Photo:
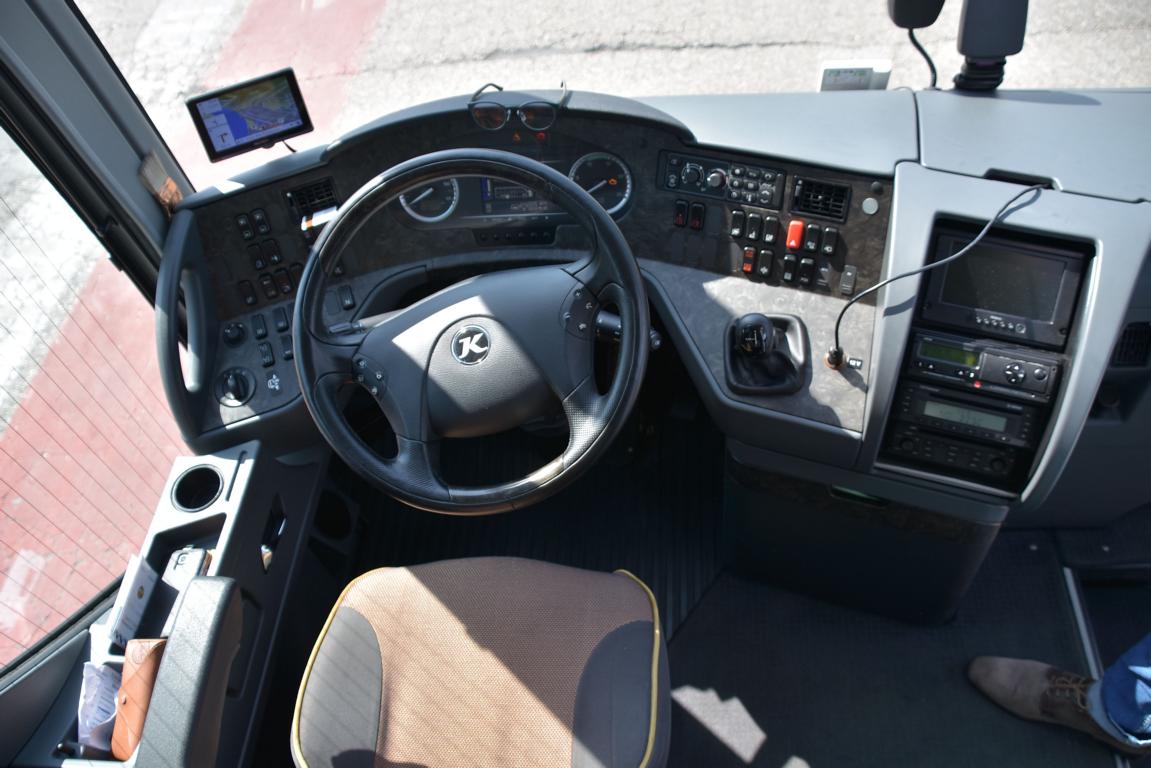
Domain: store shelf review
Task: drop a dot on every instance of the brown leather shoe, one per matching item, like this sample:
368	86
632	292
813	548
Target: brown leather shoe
1037	691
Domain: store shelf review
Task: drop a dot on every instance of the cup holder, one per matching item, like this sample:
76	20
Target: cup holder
197	488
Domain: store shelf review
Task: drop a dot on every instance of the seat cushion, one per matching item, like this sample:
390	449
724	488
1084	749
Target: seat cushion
486	661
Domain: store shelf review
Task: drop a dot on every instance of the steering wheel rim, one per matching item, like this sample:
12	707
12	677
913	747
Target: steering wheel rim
538	322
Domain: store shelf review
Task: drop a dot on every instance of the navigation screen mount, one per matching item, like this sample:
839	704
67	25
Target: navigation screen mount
249	115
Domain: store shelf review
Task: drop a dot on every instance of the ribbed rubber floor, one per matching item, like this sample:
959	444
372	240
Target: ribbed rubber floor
828	686
654	510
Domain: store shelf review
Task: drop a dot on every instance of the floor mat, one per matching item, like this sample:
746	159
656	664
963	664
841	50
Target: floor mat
652	506
787	681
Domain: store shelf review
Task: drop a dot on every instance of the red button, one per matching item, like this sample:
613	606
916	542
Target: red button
794	234
748	260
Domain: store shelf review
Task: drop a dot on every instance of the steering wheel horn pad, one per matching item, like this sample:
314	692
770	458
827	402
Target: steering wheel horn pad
481	356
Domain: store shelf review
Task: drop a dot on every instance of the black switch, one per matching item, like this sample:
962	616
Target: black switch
347	300
770	230
259	327
811	238
283	281
695	217
830	238
271	251
806	270
267	359
339	269
247	293
257	258
737	219
754	226
245	225
789	262
680	213
296	270
847	280
268	286
280	318
765	264
286	347
260	219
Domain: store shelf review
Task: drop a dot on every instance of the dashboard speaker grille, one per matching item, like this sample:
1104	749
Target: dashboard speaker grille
821	198
1134	347
311	198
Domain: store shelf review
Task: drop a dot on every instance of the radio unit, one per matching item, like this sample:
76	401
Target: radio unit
964	434
723	180
984	366
1023	292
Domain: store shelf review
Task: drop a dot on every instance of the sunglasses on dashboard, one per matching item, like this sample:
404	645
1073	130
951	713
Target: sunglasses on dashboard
535	115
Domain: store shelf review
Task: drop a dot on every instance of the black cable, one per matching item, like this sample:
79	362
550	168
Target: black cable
925	55
289	146
835	354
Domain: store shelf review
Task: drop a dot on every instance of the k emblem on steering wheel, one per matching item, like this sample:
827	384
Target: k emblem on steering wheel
470	345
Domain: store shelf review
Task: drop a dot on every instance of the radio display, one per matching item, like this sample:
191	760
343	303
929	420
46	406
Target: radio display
1004	280
949	354
966	416
504	198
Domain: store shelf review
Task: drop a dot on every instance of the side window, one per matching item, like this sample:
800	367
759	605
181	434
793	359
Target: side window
86	438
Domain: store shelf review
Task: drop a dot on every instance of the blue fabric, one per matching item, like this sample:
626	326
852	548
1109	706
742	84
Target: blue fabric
1125	692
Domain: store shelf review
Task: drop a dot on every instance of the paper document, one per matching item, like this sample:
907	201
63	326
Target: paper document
131	600
97	711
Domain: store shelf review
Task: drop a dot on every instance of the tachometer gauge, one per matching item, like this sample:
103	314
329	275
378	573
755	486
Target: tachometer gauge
605	177
432	202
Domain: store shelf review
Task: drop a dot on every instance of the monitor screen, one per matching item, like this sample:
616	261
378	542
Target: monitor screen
252	114
1004	280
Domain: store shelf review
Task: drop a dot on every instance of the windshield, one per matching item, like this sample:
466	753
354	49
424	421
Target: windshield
359	59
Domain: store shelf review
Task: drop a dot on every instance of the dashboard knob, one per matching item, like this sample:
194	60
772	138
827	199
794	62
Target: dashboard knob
235	386
716	179
692	173
233	334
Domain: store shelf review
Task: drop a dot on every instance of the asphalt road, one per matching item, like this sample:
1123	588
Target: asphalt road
358	59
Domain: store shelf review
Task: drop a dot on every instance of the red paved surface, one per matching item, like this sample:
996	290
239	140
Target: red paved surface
82	461
85	456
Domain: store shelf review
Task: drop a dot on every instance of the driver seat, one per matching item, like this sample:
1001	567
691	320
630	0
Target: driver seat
488	661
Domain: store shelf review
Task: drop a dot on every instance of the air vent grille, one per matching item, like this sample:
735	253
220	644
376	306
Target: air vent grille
1134	347
820	198
314	197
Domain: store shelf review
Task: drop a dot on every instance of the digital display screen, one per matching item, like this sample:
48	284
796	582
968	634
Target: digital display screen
966	416
252	114
949	354
505	198
1004	280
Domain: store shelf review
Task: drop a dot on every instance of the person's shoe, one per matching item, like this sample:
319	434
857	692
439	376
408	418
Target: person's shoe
1040	692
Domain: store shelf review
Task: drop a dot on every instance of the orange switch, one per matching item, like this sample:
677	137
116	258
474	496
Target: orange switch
794	234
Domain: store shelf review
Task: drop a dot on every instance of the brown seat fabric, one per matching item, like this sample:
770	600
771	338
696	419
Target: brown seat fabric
486	662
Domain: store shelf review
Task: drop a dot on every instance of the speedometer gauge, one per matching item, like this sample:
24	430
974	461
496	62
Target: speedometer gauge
432	202
605	177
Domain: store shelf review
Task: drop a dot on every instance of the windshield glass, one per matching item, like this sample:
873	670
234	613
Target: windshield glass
359	59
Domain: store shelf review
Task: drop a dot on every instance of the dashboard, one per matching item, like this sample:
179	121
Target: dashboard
963	390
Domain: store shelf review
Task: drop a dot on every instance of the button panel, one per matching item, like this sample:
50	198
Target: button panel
723	180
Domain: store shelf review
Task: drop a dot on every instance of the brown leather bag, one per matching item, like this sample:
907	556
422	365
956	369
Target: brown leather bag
141	663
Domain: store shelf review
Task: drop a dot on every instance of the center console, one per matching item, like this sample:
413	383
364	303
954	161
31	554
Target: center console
985	361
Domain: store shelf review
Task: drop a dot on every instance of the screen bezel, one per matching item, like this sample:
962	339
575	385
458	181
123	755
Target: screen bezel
215	155
1050	333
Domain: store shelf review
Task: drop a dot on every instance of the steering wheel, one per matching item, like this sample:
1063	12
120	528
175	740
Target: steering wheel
481	356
